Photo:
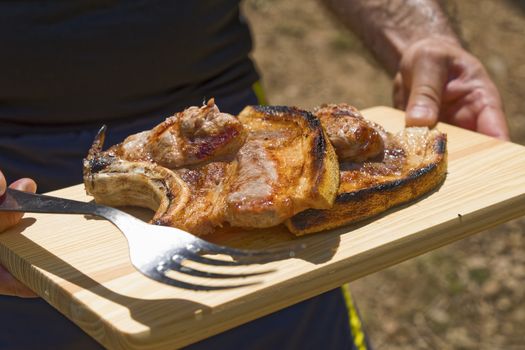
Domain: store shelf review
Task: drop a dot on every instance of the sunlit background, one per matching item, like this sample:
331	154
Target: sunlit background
468	295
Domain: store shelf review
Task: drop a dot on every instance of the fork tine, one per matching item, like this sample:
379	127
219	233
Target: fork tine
159	275
246	256
176	264
190	255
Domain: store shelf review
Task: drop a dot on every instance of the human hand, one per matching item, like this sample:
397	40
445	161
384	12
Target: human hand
8	284
438	80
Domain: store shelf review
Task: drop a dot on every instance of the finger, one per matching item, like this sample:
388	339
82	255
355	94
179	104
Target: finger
428	79
491	119
492	122
9	219
25	184
476	108
11	286
399	95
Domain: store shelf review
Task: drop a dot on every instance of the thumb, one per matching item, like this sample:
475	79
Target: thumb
25	184
429	76
9	219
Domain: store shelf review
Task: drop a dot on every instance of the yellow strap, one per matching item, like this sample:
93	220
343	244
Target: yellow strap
353	318
259	92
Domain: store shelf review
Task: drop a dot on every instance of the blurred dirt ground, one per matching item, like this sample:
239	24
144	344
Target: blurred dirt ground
468	295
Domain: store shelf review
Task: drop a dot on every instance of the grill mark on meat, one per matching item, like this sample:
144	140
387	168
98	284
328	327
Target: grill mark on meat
280	111
206	147
383	187
307	217
441	145
318	155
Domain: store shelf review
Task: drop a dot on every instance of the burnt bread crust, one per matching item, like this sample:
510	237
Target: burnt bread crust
417	165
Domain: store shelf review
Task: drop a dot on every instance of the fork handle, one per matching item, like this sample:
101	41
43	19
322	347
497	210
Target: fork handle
14	200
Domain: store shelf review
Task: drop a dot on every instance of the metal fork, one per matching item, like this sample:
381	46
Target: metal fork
154	250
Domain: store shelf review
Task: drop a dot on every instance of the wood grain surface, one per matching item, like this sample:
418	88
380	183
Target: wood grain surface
80	264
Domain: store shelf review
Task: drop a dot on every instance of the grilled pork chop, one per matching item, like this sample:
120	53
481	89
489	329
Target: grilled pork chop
201	168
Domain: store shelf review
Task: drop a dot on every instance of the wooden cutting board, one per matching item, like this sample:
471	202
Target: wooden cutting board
80	264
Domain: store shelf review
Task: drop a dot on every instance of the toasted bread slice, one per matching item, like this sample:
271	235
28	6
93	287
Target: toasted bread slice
413	163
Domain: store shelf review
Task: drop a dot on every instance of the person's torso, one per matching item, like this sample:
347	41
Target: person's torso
88	60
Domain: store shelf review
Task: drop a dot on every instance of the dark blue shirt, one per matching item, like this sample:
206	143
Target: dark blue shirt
67	67
71	62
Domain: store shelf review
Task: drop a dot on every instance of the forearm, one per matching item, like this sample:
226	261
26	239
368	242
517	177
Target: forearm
388	27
